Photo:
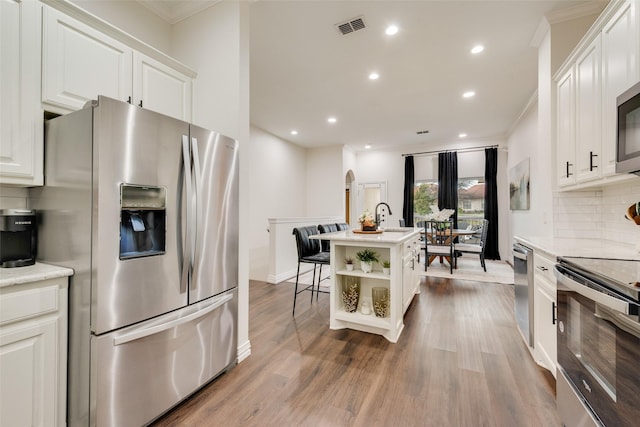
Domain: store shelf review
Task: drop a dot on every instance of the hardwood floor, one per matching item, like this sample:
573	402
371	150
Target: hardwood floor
460	361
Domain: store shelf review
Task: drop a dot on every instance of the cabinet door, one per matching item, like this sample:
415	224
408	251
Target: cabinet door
29	366
620	51
80	63
21	130
566	127
161	88
545	324
588	114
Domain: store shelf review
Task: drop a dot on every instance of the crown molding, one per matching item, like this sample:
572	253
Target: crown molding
174	11
578	11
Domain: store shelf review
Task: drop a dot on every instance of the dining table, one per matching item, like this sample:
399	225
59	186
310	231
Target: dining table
449	234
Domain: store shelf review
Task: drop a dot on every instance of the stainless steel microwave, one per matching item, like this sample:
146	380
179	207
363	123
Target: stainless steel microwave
628	140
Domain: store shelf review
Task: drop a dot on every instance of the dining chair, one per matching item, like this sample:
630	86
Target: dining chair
309	252
476	248
438	240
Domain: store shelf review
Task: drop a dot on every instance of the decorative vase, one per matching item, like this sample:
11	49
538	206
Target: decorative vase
350	294
367	266
368	227
349	267
380	297
386	270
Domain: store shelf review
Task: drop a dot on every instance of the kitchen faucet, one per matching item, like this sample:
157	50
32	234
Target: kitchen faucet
378	215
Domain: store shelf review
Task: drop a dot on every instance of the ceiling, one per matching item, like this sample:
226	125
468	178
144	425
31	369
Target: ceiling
303	70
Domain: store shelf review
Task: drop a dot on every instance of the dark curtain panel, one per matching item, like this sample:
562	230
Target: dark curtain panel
448	183
407	206
491	202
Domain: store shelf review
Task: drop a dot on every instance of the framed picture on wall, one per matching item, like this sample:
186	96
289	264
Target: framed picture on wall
519	186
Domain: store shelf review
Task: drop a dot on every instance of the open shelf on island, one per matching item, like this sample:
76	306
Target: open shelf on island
359	273
364	319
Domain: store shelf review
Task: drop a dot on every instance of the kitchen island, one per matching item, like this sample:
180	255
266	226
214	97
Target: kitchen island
399	246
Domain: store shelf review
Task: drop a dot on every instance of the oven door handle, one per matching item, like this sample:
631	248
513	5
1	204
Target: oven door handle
611	302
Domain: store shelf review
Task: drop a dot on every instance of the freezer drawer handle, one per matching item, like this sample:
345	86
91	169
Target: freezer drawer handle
136	335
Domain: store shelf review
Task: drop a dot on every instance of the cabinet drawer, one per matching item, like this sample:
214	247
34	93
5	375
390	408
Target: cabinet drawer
544	267
22	305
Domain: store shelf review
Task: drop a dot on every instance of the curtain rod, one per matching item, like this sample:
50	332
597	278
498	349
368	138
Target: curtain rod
461	150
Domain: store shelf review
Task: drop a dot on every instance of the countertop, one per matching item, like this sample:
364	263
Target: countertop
388	236
32	273
587	248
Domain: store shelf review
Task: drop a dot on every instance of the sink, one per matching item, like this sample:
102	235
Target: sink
399	229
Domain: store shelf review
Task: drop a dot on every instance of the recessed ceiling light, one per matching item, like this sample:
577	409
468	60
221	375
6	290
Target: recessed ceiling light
367	146
294	132
462	135
391	30
469	94
332	120
374	76
477	49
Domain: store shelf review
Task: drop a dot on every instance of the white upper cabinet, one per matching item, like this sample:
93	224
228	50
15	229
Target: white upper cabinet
588	113
80	63
161	88
86	57
620	52
21	144
603	65
566	143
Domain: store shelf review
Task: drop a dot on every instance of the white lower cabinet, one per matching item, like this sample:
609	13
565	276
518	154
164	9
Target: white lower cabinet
33	350
545	340
21	130
410	273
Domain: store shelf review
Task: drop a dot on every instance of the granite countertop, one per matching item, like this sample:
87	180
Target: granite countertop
32	273
587	248
389	236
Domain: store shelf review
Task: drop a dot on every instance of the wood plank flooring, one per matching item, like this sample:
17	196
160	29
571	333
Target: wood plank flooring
460	361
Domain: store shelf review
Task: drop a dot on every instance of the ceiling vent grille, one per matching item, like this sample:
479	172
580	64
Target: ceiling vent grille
351	25
422	132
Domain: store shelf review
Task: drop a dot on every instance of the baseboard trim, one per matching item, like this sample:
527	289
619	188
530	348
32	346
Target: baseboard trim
244	351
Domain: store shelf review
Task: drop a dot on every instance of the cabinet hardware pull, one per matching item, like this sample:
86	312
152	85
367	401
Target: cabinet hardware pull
540	267
129	100
591	165
553	313
569	174
140	105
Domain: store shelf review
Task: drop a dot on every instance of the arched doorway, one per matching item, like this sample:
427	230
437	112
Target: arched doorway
348	181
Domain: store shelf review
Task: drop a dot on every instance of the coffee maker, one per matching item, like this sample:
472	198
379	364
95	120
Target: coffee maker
18	238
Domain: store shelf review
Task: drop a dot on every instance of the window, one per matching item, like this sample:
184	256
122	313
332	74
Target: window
470	200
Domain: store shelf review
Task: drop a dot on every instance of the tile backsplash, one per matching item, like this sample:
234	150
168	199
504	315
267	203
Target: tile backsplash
597	214
13	197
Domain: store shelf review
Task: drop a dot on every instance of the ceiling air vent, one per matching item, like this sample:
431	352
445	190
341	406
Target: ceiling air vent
421	132
351	25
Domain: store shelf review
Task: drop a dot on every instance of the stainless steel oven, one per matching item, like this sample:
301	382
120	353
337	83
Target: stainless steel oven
598	342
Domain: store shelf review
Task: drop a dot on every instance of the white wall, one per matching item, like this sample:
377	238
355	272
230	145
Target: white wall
277	189
325	181
524	144
209	42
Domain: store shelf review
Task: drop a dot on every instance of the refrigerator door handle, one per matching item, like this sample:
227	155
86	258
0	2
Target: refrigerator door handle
186	260
145	332
197	183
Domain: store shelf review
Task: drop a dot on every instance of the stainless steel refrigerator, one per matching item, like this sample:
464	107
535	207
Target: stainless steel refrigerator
144	208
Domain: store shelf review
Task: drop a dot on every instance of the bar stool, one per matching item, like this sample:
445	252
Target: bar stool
309	252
